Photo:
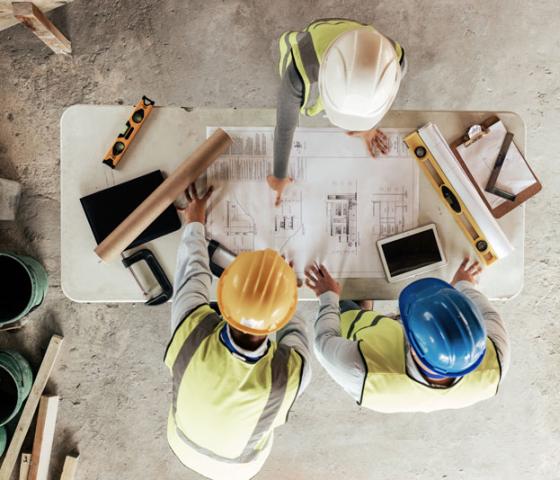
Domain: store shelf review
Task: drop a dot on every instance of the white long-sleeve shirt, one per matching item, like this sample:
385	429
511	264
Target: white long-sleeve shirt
191	290
342	360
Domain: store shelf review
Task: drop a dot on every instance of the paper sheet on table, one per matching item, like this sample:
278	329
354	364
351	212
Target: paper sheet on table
341	202
481	156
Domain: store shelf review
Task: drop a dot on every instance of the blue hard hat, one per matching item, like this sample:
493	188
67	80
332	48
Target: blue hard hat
444	327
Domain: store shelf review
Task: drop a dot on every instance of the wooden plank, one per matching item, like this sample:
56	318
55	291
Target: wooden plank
70	467
44	438
7	18
35	20
24	466
47	365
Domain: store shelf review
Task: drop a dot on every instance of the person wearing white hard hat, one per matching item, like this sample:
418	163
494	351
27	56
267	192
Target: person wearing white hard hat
232	384
448	349
342	67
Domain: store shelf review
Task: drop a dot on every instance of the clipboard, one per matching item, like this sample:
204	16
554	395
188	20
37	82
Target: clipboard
477	152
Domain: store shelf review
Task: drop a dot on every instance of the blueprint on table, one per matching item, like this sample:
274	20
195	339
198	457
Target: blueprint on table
341	202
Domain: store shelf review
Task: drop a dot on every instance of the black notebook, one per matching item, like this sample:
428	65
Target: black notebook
106	209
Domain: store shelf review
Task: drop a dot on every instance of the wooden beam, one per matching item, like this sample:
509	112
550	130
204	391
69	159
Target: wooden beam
28	14
24	466
70	467
47	365
44	438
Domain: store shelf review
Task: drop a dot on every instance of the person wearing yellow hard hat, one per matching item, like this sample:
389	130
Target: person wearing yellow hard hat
232	384
448	349
344	68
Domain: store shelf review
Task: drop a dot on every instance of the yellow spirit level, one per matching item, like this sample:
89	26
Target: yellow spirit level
437	161
119	147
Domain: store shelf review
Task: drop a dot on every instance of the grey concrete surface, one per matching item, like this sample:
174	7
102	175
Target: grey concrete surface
501	55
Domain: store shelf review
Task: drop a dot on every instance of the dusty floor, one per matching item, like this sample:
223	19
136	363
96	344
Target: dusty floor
485	55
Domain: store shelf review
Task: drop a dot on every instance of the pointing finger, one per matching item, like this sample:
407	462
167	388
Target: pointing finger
311	285
473	267
370	148
188	194
194	192
316	271
382	144
209	191
310	275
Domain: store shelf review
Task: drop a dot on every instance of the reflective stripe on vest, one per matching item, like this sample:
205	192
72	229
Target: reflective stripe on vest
388	388
307	49
274	380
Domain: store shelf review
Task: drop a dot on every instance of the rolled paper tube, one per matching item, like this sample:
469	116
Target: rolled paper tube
163	196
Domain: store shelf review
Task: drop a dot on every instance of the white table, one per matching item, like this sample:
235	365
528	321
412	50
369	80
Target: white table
167	138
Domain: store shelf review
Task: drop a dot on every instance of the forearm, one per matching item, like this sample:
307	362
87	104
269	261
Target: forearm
339	356
289	100
192	275
495	325
296	335
327	324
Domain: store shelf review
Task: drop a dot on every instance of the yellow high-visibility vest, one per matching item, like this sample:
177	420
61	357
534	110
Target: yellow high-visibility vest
223	407
307	49
387	387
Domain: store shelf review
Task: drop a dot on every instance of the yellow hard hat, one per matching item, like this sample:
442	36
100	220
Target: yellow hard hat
257	293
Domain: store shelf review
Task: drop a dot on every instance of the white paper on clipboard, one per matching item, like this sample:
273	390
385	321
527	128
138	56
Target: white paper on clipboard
480	158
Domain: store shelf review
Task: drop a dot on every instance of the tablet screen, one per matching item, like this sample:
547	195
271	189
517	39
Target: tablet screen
411	252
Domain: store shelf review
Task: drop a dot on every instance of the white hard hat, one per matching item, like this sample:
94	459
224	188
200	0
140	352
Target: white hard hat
359	78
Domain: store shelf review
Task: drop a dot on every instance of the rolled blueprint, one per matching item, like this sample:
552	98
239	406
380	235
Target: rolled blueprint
488	225
163	196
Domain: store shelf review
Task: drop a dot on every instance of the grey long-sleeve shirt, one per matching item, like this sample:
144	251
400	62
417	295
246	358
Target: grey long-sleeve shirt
342	360
192	284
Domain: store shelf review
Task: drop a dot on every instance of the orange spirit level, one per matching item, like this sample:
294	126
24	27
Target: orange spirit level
119	147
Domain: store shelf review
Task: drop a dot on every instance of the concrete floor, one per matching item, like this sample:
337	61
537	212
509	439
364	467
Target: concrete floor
471	55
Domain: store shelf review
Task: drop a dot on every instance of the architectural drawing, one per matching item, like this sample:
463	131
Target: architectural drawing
238	221
249	158
342	217
340	204
397	148
389	209
231	224
257	144
240	227
288	219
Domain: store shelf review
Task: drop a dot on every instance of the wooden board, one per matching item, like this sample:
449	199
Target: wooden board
28	412
36	21
44	437
7	18
70	467
24	466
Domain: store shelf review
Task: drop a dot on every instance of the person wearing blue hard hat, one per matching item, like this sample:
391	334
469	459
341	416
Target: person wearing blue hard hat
448	349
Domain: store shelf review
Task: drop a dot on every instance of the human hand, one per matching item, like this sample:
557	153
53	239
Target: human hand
318	279
195	211
374	139
467	272
278	185
291	264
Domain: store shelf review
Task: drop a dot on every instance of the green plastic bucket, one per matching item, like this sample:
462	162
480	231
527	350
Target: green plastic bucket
3	440
26	284
16	379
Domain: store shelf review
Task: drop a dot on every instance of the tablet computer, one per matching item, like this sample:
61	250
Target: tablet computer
411	253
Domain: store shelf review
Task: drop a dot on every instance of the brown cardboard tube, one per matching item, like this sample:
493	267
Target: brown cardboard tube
163	196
